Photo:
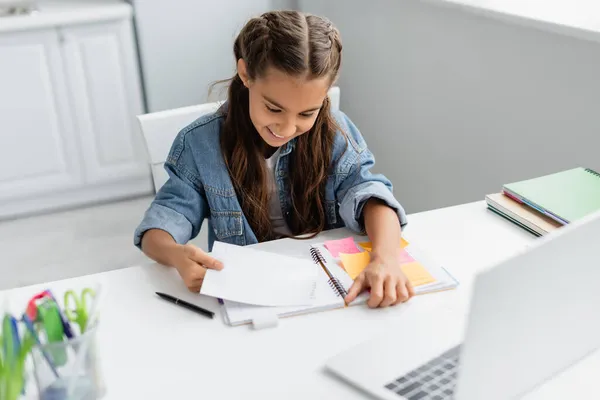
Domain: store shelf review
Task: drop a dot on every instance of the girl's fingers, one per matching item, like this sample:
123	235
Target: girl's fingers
402	293
390	293
376	284
355	289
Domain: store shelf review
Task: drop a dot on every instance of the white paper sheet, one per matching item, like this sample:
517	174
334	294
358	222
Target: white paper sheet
325	298
260	278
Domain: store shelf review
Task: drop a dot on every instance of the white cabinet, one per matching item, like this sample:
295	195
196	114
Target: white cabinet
100	62
69	95
38	150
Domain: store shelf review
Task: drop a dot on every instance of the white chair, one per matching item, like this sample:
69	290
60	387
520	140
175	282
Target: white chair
161	128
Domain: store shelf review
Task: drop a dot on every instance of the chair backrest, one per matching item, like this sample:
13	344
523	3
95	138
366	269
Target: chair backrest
161	128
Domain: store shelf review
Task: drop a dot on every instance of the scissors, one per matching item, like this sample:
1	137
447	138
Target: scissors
79	314
38	301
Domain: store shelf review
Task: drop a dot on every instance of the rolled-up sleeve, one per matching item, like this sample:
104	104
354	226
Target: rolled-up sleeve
361	185
180	205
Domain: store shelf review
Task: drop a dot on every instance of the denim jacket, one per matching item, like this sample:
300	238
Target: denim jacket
199	186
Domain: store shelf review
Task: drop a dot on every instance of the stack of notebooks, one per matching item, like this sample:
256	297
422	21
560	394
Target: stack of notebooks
541	205
256	284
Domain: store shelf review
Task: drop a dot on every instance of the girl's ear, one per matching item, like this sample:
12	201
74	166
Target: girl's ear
243	72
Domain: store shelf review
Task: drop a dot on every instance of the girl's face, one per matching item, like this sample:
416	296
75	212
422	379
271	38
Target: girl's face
283	107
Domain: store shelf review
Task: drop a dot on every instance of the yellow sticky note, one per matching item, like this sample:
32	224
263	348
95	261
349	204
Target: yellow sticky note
416	273
368	246
355	263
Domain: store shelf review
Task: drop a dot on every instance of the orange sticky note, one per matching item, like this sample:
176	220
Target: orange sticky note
355	263
368	246
416	273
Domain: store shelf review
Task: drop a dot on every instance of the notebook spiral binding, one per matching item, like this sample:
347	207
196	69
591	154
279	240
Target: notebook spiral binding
317	256
334	283
591	171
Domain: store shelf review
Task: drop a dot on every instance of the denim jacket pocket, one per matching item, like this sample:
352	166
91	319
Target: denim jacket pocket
330	212
228	226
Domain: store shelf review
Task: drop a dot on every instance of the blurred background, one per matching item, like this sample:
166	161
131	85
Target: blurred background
454	98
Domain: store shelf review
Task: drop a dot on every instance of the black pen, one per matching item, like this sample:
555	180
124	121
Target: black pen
187	305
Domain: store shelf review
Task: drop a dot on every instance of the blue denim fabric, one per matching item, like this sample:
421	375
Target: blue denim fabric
199	186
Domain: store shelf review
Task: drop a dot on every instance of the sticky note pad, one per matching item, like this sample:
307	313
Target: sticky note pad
368	246
416	273
346	246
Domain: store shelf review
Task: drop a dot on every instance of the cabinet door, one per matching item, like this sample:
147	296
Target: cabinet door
38	148
104	81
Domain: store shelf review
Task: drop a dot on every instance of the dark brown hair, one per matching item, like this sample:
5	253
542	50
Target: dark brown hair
297	44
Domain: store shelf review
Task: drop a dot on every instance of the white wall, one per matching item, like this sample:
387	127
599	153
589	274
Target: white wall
185	45
454	105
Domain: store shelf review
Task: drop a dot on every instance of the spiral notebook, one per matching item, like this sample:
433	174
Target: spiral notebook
564	196
333	283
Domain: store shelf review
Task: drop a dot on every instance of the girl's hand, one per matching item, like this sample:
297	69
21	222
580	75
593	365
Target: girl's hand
192	263
389	286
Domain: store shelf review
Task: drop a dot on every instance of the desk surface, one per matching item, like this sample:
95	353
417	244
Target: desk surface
151	349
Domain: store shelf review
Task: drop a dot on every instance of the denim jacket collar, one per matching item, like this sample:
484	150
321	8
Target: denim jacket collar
288	147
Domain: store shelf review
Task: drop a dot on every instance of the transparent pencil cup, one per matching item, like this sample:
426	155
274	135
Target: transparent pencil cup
69	370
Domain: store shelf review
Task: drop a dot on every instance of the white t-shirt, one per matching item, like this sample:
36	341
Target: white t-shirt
278	223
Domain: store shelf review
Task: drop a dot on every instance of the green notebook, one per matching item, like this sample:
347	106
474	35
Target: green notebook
564	196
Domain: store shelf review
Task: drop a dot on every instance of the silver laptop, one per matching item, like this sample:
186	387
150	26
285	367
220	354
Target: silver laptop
530	317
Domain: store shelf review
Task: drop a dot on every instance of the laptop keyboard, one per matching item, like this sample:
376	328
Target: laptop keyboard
434	380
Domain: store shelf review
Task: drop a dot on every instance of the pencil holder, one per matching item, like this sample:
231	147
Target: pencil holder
77	376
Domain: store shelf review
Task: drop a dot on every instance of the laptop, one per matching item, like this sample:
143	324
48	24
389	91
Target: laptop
529	318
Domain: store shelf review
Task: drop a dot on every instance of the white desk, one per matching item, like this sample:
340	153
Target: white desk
151	349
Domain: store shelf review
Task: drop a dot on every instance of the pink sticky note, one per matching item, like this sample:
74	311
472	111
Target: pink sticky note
405	257
346	246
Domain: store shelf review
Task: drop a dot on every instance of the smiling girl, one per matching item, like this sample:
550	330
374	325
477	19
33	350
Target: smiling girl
275	161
